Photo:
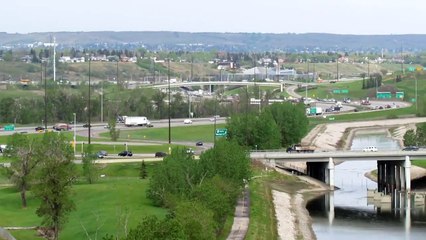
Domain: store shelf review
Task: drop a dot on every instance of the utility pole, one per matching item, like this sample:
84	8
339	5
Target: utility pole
214	133
402	60
54	59
116	72
88	106
368	68
102	101
168	81
192	68
337	65
45	97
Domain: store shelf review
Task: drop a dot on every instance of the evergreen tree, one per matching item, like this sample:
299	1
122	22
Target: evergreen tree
143	172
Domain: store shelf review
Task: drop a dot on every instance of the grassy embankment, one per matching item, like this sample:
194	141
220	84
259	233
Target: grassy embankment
355	91
104	207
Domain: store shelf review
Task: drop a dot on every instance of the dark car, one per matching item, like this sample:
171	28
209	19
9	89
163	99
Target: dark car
102	154
86	125
39	129
160	154
125	153
199	143
410	148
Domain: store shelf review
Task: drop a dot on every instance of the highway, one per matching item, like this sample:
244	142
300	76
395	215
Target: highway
101	127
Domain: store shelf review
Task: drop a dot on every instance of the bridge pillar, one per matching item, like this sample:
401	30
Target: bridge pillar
388	178
407	168
381	180
397	177
330	174
402	175
282	87
392	178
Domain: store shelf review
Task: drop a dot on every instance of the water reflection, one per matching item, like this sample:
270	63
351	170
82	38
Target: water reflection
349	214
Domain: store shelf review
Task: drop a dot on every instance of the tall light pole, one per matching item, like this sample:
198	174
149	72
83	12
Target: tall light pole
116	72
45	97
102	102
168	81
337	66
88	107
74	140
215	116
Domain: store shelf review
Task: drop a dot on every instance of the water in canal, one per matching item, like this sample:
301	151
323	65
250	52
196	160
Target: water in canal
354	216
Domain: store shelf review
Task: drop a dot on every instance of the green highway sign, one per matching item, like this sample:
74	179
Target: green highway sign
9	127
221	132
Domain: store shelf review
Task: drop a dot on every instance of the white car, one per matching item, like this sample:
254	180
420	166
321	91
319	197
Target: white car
187	121
215	117
370	149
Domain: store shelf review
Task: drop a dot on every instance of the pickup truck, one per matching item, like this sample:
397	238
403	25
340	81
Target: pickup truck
300	149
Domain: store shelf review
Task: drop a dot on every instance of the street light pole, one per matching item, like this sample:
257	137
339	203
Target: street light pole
168	81
74	140
102	102
88	107
215	116
45	98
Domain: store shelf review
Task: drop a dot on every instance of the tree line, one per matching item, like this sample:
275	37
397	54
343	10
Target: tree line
63	101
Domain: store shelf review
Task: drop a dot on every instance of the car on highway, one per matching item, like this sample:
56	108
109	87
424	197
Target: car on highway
199	143
190	151
410	148
370	149
149	125
39	129
102	153
160	154
125	153
2	148
215	117
187	121
86	125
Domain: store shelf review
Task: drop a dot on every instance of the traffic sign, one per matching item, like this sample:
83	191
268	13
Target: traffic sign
221	132
9	127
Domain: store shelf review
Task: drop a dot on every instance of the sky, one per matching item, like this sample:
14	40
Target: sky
262	16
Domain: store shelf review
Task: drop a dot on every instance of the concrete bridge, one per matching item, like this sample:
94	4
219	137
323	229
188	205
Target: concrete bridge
231	83
393	167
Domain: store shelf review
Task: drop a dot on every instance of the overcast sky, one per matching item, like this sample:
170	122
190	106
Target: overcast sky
262	16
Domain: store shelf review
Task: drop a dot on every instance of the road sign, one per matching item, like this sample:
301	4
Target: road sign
9	127
221	132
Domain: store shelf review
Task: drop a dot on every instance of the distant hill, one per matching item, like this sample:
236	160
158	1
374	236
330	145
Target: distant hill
241	42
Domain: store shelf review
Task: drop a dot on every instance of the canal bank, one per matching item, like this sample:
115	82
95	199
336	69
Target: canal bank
333	137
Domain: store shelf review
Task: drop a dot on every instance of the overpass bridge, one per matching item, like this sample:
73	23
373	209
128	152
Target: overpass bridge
230	83
393	167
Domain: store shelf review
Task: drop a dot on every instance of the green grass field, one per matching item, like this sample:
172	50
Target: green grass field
190	133
107	205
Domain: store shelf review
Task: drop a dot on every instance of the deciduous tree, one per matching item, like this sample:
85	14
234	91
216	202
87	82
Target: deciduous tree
55	176
21	150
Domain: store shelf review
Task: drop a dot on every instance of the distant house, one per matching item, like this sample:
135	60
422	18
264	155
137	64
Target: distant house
64	59
25	82
225	65
26	59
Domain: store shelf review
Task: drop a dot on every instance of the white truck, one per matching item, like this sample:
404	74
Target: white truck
136	121
314	111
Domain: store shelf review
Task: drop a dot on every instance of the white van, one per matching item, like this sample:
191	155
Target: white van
370	149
